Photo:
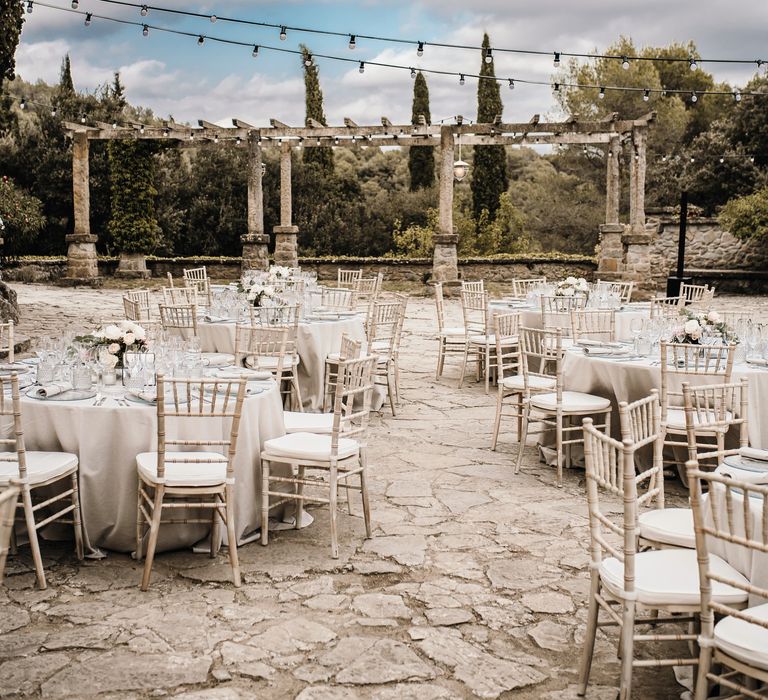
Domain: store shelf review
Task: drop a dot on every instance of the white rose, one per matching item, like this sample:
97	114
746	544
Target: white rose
112	332
713	317
567	292
125	326
570	280
692	327
114	348
129	338
139	332
111	360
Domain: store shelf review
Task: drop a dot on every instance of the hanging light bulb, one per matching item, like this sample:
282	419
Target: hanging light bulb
737	96
511	84
200	40
75	4
646	95
751	159
23	104
461	79
263	169
191	136
692	64
88	16
255	51
556	87
352	42
693	159
413	73
283	34
601	94
238	141
29	7
722	160
144	11
215	138
362	67
82	118
141	129
625	63
694	97
166	132
420	49
308	60
489	55
213	19
460	168
556	62
145	30
664	159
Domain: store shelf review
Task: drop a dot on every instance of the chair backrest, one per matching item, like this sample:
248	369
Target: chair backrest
12	447
610	466
349	349
695	293
541	355
713	408
338	299
191	401
561	304
666	307
593	324
283	315
367	287
622	289
345	279
383	327
506	328
732	516
195	274
179	295
6	340
695	364
352	401
8	497
474	308
439	306
521	288
261	347
181	317
138	305
473	286
402	299
640	423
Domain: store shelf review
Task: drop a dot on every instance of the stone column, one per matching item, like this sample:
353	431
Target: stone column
286	249
82	263
612	181
255	251
445	262
637	181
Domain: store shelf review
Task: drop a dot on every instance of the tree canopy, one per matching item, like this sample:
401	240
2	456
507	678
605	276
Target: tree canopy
421	159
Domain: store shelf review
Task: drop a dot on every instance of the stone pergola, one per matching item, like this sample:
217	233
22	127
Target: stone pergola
620	251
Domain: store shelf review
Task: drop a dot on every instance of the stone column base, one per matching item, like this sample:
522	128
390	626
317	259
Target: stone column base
611	258
286	247
255	251
445	261
133	266
82	262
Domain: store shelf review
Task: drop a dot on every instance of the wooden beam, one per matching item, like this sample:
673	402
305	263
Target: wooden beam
612	117
240	124
534	120
314	124
275	124
385	122
349	123
497	120
210	125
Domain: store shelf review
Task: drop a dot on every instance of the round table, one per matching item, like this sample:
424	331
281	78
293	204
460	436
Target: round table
108	437
315	341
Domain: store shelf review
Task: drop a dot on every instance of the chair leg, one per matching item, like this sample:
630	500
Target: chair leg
559	434
497	420
364	495
76	519
440	358
487	367
139	527
701	690
332	499
390	390
464	365
297	391
264	502
589	635
214	537
299	499
626	645
229	504
154	531
34	544
519	409
523	438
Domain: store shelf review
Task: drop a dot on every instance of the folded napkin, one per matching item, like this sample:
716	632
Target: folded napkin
754	454
148	395
757	361
589	343
215	319
52	389
599	350
217	359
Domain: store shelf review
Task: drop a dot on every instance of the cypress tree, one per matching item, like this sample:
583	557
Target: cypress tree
313	97
489	171
11	19
66	84
421	159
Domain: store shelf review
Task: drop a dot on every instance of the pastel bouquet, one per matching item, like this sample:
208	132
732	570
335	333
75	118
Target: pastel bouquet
699	324
257	292
571	286
279	273
116	338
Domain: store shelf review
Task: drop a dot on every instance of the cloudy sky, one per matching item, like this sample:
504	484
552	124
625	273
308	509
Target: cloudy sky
172	75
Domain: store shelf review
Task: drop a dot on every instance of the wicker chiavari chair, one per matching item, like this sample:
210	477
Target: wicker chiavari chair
345	279
197	278
730	519
666	307
450	340
349	349
593	324
198	476
9	495
368	288
694	364
403	299
263	348
478	338
477	286
542	357
341	455
33	470
382	342
626	583
7	343
521	288
179	319
173	296
338	299
622	289
138	307
696	293
506	332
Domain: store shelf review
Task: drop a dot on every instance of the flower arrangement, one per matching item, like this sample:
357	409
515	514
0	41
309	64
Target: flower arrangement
256	292
279	273
700	323
571	286
117	338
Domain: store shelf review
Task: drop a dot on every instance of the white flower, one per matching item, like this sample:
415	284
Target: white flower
113	348
567	291
111	360
139	332
570	281
129	338
692	327
582	285
112	332
713	317
126	326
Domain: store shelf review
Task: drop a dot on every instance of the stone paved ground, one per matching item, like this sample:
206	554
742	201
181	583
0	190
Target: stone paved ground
474	585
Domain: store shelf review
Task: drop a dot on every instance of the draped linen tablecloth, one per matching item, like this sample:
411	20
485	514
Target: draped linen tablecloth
316	340
107	439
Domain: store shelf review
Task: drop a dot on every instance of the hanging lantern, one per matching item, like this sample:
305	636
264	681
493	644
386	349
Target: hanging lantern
460	170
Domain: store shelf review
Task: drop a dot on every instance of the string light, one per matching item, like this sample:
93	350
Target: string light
213	19
694	97
144	11
511	84
352	42
722	160
556	62
141	129
362	67
308	60
692	64
75	4
693	159
82	118
489	55
737	96
238	141
625	63
255	52
751	159
413	73
88	19
53	111
29	7
461	79
23	104
420	49
145	30
601	95
556	87
166	132
200	40
191	136
283	34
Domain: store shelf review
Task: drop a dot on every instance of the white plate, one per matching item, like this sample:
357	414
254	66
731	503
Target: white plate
71	395
748	465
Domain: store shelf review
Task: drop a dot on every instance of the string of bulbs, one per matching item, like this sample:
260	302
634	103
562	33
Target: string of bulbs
693	62
693	96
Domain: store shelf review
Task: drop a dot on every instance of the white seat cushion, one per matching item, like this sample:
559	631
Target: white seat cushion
676	420
491	340
190	472
744	641
671	577
269	362
534	382
41	466
572	401
672	526
296	422
317	448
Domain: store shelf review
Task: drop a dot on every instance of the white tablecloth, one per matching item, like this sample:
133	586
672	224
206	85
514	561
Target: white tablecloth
531	318
107	439
316	340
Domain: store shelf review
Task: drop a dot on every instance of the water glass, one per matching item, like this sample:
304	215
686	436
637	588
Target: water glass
46	371
81	376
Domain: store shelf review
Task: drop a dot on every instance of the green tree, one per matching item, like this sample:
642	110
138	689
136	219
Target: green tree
489	172
22	218
748	125
11	21
747	217
133	226
313	98
421	159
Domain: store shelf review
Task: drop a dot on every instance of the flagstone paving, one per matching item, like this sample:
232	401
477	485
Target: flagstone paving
475	583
